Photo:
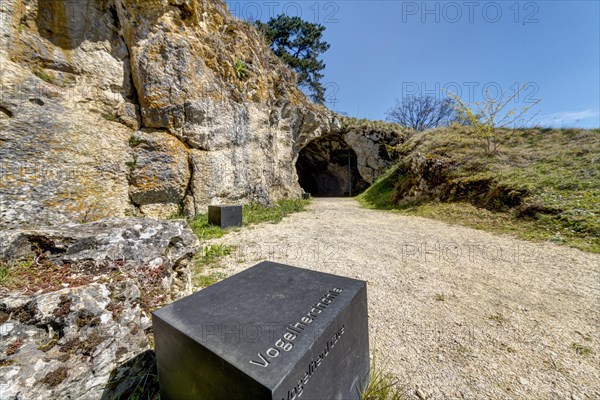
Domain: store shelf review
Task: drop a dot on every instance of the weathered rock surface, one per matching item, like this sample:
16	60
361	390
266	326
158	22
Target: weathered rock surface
372	151
164	247
80	79
348	159
159	173
64	84
426	177
327	166
66	344
120	108
241	132
87	323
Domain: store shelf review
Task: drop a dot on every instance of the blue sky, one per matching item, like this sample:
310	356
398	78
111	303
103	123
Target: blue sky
383	50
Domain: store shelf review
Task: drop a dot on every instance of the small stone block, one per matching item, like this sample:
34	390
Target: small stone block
305	196
271	332
225	216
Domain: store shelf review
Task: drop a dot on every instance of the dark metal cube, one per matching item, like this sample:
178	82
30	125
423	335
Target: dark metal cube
270	332
225	216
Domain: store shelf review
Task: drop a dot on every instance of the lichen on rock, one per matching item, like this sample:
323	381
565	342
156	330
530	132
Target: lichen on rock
70	342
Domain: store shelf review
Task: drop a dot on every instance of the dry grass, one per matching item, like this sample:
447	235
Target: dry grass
35	273
558	171
381	127
382	385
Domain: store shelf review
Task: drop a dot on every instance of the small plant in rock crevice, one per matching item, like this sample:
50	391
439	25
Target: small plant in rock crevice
241	69
43	75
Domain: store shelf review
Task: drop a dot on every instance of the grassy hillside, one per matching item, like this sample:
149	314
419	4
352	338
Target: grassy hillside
542	185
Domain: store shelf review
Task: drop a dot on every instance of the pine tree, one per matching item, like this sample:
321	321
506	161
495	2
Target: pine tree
299	44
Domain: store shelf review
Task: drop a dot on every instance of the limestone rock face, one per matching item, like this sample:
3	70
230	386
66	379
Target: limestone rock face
163	246
347	160
119	108
241	131
428	177
66	344
371	148
77	327
159	169
65	106
80	80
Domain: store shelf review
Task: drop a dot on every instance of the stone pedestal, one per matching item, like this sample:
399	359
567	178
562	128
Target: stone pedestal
270	332
225	216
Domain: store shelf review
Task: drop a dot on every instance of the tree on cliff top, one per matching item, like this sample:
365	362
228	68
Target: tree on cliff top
298	43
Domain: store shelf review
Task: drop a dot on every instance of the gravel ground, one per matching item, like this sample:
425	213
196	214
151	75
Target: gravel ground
453	312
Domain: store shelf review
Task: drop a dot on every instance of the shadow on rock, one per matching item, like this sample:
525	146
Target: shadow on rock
135	379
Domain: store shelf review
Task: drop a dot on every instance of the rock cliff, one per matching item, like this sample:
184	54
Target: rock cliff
115	108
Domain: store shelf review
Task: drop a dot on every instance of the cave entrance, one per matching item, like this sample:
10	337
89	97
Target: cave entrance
327	167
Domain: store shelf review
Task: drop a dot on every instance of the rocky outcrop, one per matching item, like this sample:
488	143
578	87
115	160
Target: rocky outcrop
374	143
162	248
327	166
115	110
68	112
75	308
111	111
66	344
120	108
82	82
240	130
424	177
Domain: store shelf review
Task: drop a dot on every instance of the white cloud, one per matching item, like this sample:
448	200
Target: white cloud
566	116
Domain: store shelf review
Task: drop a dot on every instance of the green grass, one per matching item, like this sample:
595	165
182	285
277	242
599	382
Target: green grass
581	349
380	194
4	273
382	385
43	75
208	279
13	273
200	226
210	255
207	262
252	214
554	173
502	223
256	214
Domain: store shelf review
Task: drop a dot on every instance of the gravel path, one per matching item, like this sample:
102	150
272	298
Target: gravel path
453	312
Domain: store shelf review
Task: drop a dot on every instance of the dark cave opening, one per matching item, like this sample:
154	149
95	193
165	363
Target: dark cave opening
327	167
